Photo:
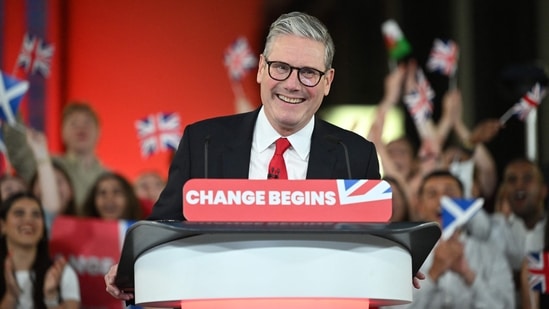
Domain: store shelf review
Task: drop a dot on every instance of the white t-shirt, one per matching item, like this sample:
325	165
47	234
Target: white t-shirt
69	287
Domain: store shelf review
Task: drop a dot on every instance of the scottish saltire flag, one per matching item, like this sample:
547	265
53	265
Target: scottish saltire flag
456	212
35	55
397	45
443	57
158	132
3	153
419	100
3	148
239	59
538	271
531	100
91	246
11	94
353	191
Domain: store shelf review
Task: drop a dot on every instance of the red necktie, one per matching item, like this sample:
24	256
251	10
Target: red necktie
277	167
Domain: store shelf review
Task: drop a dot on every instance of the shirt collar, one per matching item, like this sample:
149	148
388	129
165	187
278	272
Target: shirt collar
301	140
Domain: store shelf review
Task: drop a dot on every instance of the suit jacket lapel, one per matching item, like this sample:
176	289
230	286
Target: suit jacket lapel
322	160
236	157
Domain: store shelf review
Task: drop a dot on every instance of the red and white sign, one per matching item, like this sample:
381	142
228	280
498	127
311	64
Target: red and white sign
91	246
242	200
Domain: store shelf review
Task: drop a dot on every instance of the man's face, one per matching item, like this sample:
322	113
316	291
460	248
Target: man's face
525	191
80	132
428	206
288	104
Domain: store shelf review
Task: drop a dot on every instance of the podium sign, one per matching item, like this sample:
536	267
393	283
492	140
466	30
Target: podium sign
240	200
320	244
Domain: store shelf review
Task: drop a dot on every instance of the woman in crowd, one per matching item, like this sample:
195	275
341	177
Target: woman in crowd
112	197
30	278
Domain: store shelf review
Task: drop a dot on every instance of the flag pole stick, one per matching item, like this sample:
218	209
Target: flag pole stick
392	64
452	82
531	140
508	114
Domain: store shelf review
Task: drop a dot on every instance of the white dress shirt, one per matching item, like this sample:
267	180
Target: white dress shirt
263	148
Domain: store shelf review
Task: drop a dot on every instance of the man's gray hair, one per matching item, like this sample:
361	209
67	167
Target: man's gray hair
303	25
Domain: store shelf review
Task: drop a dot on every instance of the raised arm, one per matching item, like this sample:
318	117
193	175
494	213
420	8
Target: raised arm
49	192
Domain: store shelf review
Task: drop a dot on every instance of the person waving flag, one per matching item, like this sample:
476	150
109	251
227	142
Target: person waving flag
531	100
11	94
239	59
35	55
444	59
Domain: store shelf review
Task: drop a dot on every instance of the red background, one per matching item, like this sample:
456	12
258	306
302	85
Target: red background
132	58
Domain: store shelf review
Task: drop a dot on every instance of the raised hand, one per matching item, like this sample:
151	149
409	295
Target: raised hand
53	278
12	288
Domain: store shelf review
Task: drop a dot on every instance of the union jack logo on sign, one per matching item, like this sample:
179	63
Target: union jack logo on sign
352	191
158	132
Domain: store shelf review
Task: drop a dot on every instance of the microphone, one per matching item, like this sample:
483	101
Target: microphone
345	151
206	148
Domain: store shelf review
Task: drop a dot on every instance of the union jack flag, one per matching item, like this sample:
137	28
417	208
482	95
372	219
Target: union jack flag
443	57
35	55
158	132
529	101
456	212
538	271
353	191
11	94
418	101
239	58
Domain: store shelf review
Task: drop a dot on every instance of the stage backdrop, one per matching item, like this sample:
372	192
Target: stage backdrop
132	59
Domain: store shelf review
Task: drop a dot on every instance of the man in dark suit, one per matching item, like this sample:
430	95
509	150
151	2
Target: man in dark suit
228	143
294	73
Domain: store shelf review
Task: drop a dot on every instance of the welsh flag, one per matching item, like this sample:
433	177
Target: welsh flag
397	45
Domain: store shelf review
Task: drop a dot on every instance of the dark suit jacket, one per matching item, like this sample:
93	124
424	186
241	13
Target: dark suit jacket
225	143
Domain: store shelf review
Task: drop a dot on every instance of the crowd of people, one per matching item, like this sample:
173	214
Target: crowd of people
43	186
481	266
485	261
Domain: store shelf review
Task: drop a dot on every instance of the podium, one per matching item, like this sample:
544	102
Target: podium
273	265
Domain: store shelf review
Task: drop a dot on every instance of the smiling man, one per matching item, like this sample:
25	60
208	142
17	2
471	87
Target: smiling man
295	74
523	230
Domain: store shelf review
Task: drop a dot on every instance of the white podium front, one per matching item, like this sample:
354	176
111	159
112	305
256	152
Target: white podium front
273	265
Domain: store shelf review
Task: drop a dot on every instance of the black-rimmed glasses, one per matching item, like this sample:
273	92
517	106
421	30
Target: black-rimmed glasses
280	71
